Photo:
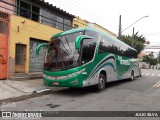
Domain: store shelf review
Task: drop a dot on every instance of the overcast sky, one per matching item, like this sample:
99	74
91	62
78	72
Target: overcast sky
106	13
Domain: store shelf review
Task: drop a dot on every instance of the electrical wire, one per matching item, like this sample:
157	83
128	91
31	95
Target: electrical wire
87	15
79	9
86	12
150	34
34	13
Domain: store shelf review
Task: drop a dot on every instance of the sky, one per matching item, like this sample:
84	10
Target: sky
106	13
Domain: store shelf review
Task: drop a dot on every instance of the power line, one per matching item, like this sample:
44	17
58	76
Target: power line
86	9
89	11
21	8
78	11
83	10
30	12
39	15
67	6
150	34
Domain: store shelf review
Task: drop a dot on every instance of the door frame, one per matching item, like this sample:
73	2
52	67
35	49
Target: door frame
20	67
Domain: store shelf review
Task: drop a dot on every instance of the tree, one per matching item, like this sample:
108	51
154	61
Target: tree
135	41
150	59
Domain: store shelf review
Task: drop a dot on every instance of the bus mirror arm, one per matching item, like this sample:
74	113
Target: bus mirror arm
39	47
79	40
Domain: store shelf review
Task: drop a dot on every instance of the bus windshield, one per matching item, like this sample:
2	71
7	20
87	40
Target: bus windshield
62	53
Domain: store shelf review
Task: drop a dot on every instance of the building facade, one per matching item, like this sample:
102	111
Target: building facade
29	23
24	24
5	17
79	23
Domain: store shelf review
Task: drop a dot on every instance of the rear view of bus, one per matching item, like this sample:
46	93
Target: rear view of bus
73	59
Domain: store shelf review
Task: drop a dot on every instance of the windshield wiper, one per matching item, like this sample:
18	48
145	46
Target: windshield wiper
65	47
70	66
61	58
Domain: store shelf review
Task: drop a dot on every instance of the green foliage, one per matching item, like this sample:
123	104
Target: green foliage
150	59
136	41
153	61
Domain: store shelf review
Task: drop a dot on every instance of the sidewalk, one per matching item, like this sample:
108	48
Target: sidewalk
13	90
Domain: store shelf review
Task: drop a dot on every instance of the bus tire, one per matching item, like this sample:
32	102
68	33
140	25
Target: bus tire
132	75
72	88
101	82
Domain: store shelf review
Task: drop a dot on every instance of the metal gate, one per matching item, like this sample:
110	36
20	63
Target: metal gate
3	44
36	62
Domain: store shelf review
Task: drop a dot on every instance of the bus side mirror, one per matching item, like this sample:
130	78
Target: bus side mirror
39	46
79	39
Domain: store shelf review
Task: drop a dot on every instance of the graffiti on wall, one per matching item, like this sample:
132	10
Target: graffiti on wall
2	60
36	62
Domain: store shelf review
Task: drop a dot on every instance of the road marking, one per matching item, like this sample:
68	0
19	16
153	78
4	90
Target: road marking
157	84
150	74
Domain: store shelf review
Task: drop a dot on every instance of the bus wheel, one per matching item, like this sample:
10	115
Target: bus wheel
101	82
132	75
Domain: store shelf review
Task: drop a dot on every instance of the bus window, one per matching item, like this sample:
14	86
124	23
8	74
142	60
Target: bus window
105	45
88	49
93	34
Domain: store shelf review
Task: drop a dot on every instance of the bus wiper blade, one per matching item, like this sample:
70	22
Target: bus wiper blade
62	59
70	66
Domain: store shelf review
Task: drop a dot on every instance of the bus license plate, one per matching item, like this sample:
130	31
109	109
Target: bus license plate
55	83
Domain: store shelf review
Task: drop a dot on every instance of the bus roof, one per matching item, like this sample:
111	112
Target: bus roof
93	29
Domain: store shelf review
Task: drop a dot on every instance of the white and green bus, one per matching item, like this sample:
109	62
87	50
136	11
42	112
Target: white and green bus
87	56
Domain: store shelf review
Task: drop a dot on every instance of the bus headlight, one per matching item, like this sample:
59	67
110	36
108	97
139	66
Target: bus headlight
64	77
74	82
76	73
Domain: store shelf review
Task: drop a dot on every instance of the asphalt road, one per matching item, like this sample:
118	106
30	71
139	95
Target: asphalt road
142	94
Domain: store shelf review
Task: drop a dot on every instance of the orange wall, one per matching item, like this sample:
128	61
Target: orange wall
3	55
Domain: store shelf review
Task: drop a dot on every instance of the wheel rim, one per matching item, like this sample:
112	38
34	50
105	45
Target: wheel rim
101	83
132	76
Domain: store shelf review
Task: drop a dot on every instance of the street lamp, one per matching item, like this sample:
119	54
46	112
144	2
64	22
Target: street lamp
134	23
130	25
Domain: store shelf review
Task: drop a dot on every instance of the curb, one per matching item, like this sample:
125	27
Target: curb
27	96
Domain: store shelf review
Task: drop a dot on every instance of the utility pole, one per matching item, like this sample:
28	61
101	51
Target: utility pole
120	27
133	33
132	44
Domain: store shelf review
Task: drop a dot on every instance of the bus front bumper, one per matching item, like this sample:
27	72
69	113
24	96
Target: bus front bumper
69	82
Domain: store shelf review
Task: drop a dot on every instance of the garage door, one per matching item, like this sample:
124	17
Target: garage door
36	62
